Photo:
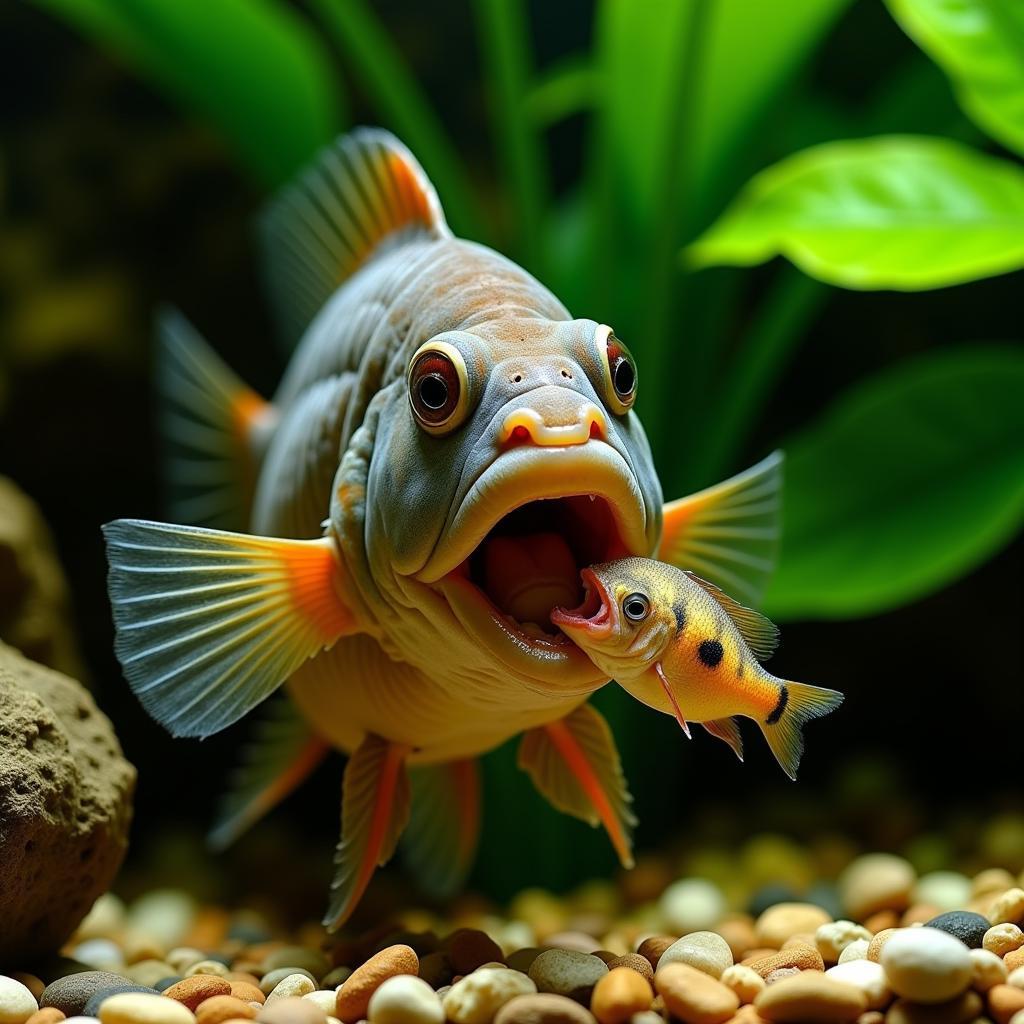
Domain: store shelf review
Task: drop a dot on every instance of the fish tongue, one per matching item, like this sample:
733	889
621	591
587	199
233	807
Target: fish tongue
527	576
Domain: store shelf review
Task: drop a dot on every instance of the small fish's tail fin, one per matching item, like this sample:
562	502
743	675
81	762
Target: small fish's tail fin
211	423
797	704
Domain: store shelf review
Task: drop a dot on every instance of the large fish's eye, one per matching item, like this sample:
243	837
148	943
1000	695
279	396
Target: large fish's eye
636	607
438	391
620	369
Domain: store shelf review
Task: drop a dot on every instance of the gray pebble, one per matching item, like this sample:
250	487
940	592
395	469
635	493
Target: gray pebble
92	1007
567	972
70	994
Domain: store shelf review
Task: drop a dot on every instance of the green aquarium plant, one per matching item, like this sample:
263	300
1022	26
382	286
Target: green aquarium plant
900	485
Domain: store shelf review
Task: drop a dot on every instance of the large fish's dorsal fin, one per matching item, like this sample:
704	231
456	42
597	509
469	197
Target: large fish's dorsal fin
760	633
362	189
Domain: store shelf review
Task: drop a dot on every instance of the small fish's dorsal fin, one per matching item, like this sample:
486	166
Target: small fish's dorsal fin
362	189
760	633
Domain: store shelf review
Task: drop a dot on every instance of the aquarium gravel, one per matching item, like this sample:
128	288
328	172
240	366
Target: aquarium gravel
880	945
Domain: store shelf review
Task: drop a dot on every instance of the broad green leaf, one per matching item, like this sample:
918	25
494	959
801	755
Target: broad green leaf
980	46
250	67
901	212
911	479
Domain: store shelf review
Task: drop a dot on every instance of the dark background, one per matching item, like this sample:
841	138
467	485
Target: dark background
113	202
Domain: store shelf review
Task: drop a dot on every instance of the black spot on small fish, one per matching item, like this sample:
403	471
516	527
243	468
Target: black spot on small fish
679	611
710	652
779	708
741	668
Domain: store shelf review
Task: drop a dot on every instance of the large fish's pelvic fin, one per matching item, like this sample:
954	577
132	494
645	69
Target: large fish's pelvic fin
444	827
576	767
728	730
212	425
362	190
796	705
209	623
374	811
760	633
729	533
281	754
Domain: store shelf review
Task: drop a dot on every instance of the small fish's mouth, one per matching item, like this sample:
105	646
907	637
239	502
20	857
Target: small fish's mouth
593	616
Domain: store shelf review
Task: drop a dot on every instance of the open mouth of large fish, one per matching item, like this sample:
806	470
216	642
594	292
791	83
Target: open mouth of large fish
515	548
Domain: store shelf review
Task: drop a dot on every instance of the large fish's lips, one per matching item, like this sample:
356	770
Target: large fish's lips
594	617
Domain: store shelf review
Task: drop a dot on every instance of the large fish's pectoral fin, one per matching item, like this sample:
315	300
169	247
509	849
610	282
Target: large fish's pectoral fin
209	624
440	841
727	729
282	752
374	811
729	533
212	425
362	189
576	767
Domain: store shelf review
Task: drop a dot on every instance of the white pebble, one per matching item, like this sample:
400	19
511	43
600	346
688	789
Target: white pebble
326	999
292	985
101	954
17	1003
988	970
744	981
707	951
692	905
166	914
105	919
926	965
944	890
405	999
856	950
832	938
1016	978
476	998
867	976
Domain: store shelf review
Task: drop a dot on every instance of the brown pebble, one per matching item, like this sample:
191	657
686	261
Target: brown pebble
738	931
962	1010
880	920
577	941
247	992
918	913
607	955
218	1009
470	948
47	1015
758	953
522	959
1014	959
252	979
653	946
695	997
543	1008
811	998
436	970
354	994
878	940
800	939
291	1010
192	991
1004	1001
746	1015
638	963
619	994
807	958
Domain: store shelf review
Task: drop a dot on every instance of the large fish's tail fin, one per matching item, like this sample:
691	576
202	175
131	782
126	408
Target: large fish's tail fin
797	704
213	426
362	190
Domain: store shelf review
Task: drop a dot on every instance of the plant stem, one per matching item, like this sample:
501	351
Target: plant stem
504	39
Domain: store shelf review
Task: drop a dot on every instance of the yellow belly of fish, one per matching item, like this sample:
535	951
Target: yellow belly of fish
355	688
701	698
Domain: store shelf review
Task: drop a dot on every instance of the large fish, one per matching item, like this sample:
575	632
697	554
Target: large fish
447	449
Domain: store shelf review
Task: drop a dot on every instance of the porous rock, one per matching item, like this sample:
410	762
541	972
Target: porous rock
65	805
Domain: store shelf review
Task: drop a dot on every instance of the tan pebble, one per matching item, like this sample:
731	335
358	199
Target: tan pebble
34	984
757	954
781	975
744	981
149	971
325	998
653	946
856	950
218	1009
991	882
1002	939
247	992
1003	1002
693	996
291	1010
738	931
878	940
1008	907
965	1009
294	986
638	963
800	939
1016	978
866	976
876	881
181	958
214	967
871	1017
832	938
143	1008
619	994
47	1015
1014	959
192	991
579	941
543	1008
405	999
806	958
746	1015
987	970
878	922
478	996
247	976
919	913
784	920
17	1003
707	951
811	998
354	993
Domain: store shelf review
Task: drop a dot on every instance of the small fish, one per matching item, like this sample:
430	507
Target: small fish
682	646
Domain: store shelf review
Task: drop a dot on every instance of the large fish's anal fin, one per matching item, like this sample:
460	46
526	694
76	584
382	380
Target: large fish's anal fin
282	752
208	623
575	765
374	811
444	827
213	428
729	533
728	730
362	190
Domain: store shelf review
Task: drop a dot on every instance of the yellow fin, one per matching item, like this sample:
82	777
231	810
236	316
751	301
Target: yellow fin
759	632
727	729
209	624
576	767
374	811
362	189
440	841
797	704
728	533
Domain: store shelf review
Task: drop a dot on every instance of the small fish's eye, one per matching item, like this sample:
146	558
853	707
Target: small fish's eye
636	607
437	387
620	368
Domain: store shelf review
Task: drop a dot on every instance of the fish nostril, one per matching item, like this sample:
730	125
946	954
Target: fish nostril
517	379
